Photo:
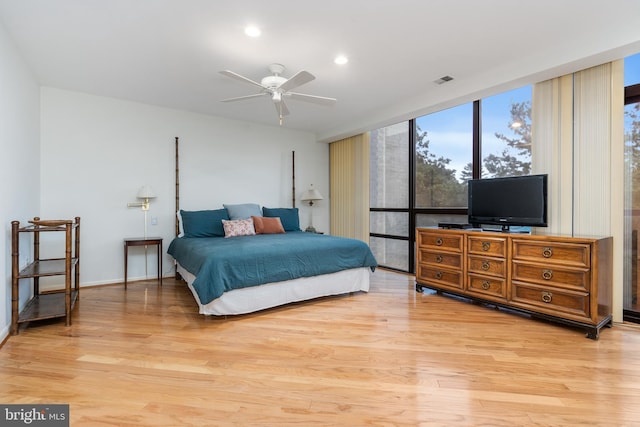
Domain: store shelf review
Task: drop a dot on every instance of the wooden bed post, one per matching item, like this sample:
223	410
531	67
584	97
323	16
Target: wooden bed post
177	189
177	275
293	179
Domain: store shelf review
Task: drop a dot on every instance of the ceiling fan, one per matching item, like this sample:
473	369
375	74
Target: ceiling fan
279	88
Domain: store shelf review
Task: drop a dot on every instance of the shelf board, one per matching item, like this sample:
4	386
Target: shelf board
45	226
46	306
46	267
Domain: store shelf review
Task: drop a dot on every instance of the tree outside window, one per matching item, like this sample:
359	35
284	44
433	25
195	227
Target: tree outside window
444	147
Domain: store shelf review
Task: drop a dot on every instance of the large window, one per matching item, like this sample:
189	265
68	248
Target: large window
631	304
389	198
443	157
506	134
420	168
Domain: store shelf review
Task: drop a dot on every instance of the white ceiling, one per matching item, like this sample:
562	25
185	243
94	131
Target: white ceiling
169	52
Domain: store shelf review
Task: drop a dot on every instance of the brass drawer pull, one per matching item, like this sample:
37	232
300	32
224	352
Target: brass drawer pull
438	258
547	274
439	241
547	252
546	297
486	285
486	265
486	246
439	275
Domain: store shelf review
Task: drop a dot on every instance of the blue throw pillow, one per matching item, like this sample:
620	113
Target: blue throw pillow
206	223
243	211
289	217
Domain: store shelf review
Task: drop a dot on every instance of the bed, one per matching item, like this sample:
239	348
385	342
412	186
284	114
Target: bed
243	258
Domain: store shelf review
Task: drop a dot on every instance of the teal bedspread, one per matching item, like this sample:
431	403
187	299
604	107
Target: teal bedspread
222	264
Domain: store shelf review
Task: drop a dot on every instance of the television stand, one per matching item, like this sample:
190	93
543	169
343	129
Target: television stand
564	279
506	229
456	225
502	229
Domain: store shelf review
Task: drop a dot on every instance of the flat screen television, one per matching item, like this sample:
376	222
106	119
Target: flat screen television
509	201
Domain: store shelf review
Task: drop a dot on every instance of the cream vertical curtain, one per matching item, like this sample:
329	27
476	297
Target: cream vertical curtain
349	187
578	139
552	148
592	166
577	133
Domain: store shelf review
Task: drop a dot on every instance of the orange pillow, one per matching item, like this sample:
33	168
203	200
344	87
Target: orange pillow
267	225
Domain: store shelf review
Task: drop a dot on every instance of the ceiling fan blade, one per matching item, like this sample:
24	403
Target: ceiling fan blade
281	108
298	79
240	98
241	78
322	100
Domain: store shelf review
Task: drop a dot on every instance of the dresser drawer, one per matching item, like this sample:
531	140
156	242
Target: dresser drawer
552	301
487	286
441	241
491	246
447	259
485	265
551	275
552	252
440	276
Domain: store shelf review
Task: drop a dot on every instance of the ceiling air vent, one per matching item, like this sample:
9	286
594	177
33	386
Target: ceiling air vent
443	79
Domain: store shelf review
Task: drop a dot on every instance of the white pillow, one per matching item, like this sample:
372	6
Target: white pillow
238	227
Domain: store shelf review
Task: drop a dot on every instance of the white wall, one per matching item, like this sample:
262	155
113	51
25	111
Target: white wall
97	152
19	162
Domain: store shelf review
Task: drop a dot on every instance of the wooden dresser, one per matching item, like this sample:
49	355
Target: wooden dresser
563	279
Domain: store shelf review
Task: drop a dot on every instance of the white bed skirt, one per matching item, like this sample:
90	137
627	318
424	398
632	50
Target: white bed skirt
255	298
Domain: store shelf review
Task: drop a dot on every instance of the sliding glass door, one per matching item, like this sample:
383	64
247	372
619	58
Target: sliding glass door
632	189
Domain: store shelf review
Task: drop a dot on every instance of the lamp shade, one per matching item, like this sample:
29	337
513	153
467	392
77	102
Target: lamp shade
146	192
311	194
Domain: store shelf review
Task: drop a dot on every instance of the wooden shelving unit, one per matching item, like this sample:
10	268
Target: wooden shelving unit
49	304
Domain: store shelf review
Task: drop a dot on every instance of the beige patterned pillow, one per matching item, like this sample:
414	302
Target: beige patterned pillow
238	227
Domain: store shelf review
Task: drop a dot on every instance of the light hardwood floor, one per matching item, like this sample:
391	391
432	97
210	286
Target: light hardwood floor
390	357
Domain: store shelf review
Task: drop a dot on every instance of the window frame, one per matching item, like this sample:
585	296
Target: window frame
414	211
631	96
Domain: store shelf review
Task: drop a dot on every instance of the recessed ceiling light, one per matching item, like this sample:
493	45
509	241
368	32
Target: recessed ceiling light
341	60
252	31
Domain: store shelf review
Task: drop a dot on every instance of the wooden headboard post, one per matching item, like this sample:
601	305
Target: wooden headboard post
177	189
177	275
293	179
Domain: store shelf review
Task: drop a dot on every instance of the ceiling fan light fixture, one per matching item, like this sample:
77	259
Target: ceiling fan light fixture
272	82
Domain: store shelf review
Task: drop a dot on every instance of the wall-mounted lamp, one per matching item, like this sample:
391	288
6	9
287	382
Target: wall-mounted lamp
311	195
145	194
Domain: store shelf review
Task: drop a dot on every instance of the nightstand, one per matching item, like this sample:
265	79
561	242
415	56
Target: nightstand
142	241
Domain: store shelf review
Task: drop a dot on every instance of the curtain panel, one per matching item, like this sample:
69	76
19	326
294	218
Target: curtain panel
349	187
578	139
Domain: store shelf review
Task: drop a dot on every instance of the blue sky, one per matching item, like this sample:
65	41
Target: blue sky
632	70
450	131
